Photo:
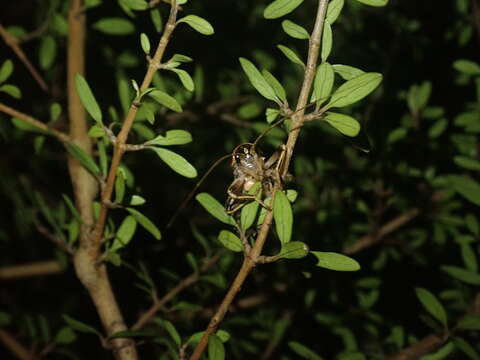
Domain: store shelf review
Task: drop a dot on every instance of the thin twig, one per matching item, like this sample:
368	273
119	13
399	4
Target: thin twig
14	346
182	285
119	148
55	239
36	123
39	268
13	43
251	260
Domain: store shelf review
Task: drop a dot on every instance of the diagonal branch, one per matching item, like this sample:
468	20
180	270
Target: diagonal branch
13	43
182	285
34	122
39	268
251	260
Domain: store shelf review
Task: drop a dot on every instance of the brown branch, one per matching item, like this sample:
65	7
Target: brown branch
423	347
182	285
13	43
34	122
14	346
55	239
40	268
92	275
251	260
389	227
375	237
119	148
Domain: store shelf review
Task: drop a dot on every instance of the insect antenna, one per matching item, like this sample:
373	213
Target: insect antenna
194	190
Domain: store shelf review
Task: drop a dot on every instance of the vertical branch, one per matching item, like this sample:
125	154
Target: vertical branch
119	149
93	276
298	119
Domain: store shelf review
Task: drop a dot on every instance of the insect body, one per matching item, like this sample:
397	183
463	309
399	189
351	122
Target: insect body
250	167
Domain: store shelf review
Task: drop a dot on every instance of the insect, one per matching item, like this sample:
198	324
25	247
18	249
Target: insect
250	167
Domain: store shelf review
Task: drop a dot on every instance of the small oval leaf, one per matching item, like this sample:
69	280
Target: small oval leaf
176	162
114	26
124	233
279	8
374	2
165	100
230	241
335	261
146	223
172	137
327	41
283	215
294	30
333	10
87	98
293	250
216	350
145	42
291	55
214	208
257	80
323	83
355	89
345	124
432	305
199	24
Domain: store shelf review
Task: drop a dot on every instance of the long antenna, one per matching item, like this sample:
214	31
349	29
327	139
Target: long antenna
194	190
215	164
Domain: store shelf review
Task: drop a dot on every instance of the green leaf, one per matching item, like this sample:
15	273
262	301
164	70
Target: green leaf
172	137
323	83
248	214
355	89
65	336
466	348
467	187
47	52
283	215
96	131
114	26
462	274
467	162
472	224
145	223
216	350
124	233
230	241
271	114
165	100
199	24
137	200
26	126
347	72
6	70
185	78
276	85
145	42
335	261
333	10
11	90
291	55
223	335
83	158
257	80
469	322
432	305
176	162
293	250
279	8
80	326
303	351
87	98
345	124
327	41
214	208
119	186
156	19
469	258
294	30
167	325
467	67
55	111
181	58
374	2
